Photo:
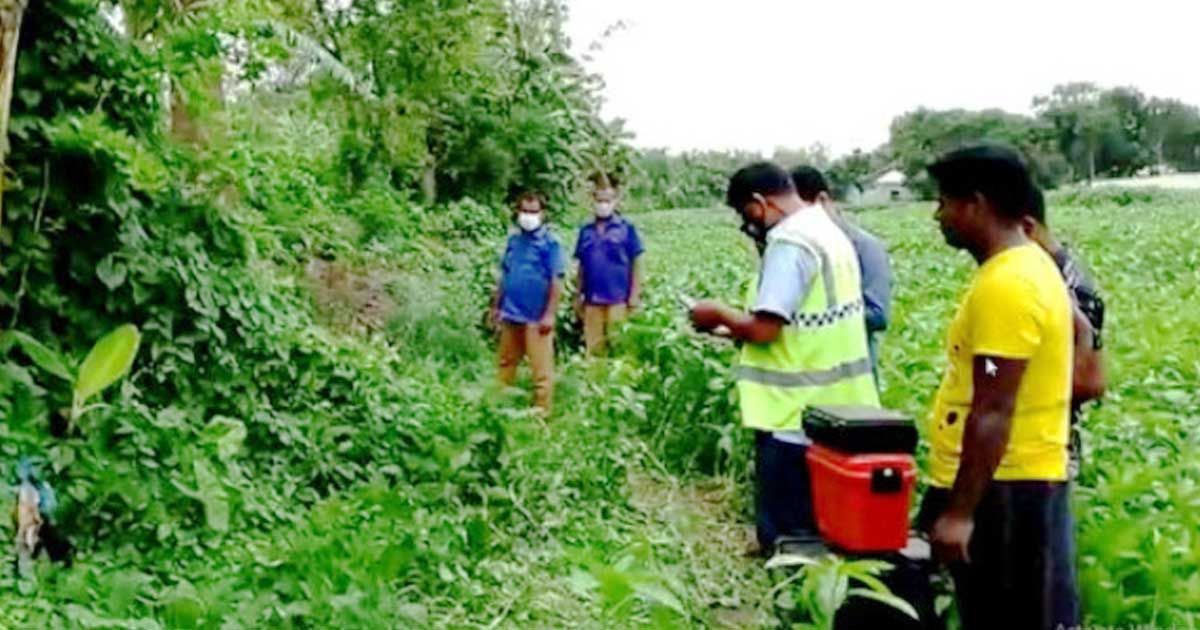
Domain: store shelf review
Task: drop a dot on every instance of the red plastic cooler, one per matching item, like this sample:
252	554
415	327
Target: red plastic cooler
861	500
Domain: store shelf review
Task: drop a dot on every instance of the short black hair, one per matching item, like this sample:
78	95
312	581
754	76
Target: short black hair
1037	205
602	179
809	182
995	171
762	178
530	195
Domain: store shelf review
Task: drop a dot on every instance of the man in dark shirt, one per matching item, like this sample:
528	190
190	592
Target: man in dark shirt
608	251
1089	381
872	258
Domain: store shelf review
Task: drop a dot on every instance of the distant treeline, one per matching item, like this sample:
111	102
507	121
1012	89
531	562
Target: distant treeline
1080	131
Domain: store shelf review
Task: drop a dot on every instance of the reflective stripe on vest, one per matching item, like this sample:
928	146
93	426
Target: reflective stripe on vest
821	356
808	378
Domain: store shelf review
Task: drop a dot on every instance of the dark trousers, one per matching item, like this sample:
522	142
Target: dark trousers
1022	569
783	497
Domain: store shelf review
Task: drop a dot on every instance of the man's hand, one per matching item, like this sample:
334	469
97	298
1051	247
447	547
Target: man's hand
951	538
707	315
546	325
635	301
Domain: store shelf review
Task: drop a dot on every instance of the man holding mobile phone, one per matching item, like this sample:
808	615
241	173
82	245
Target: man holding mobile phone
804	340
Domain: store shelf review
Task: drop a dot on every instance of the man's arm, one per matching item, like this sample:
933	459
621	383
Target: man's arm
635	284
759	327
634	249
546	323
786	277
579	290
1088	382
985	438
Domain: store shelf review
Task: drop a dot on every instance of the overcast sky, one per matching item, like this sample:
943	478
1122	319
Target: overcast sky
756	74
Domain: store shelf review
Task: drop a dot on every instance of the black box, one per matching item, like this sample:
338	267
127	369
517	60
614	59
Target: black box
860	429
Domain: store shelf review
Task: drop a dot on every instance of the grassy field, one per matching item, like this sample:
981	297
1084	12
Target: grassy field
631	507
1176	181
1136	503
685	499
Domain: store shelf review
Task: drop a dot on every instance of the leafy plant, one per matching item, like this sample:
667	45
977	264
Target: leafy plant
108	361
822	587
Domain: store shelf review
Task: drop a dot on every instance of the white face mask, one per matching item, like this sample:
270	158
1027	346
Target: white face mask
529	221
604	209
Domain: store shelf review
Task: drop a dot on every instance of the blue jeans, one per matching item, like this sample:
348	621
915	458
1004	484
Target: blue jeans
1022	570
783	497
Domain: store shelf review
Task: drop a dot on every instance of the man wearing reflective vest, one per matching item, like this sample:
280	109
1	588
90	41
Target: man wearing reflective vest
803	339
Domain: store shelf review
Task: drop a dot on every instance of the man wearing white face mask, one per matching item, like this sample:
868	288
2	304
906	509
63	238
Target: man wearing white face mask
607	250
803	337
526	299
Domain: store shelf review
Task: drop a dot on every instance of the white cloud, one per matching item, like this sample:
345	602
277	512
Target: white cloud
757	74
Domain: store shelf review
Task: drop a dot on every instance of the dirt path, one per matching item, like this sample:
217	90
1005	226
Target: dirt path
699	517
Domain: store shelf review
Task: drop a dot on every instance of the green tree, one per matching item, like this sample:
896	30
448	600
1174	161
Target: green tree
850	172
1098	131
918	137
1172	133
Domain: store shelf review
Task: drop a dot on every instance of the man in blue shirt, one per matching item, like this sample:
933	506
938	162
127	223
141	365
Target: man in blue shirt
526	299
872	258
607	250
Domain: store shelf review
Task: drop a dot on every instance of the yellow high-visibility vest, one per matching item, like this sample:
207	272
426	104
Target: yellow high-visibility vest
821	356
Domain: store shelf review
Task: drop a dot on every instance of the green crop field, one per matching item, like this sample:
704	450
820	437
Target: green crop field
631	506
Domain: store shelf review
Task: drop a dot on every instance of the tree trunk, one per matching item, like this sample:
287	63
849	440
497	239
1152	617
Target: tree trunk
11	12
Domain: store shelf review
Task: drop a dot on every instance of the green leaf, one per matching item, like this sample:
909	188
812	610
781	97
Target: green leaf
657	593
183	608
886	598
111	272
227	433
109	360
85	618
17	374
42	356
212	495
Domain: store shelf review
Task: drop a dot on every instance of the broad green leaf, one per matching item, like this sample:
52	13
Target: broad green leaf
17	374
655	592
85	618
415	613
886	598
212	496
108	361
111	272
227	433
183	608
41	355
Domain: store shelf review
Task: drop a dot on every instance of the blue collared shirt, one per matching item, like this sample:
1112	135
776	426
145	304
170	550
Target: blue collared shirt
606	251
531	262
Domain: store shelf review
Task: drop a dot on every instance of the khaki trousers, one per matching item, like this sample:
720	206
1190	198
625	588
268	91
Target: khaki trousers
598	320
520	340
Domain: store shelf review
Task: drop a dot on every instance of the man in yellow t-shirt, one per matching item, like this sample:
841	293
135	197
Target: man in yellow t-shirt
997	512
